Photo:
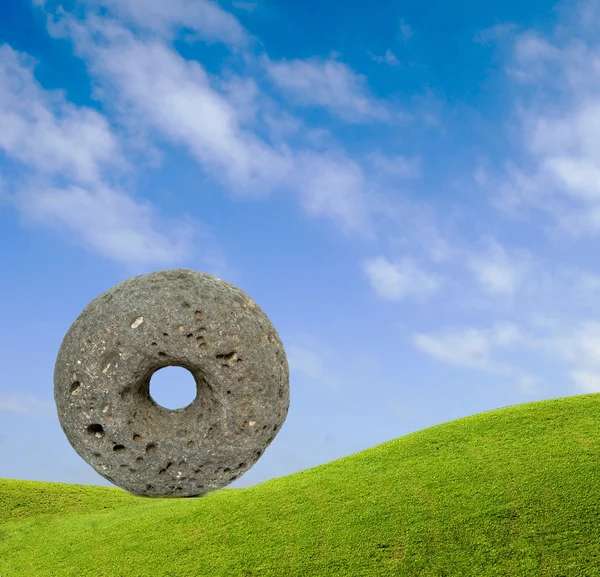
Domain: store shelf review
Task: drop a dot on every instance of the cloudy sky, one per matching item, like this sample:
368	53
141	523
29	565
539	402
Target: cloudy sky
411	194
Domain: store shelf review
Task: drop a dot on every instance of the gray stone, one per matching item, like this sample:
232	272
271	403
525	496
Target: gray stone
171	318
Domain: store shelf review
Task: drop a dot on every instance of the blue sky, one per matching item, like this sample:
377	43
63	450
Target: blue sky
412	194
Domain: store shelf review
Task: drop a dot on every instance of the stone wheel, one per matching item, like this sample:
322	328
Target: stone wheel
171	318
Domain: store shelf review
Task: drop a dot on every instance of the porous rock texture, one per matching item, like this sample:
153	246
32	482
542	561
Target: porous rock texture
175	317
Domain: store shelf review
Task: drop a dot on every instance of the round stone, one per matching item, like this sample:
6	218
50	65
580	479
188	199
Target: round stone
179	318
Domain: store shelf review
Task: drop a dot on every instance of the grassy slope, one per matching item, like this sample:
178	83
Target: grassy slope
515	491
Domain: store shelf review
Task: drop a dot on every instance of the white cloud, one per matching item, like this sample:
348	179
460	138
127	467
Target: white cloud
588	382
589	283
42	130
496	271
398	281
55	139
528	384
495	33
335	186
578	175
580	345
206	18
178	98
587	15
26	404
404	30
306	361
108	221
563	342
330	84
559	122
469	347
307	355
415	228
389	58
481	176
245	6
532	50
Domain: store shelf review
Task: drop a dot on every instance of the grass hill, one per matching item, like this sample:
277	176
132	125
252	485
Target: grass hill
509	492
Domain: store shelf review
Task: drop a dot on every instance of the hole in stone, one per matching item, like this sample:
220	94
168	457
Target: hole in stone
241	465
97	455
226	470
138	459
229	392
165	334
96	430
118	448
148	487
198	314
162	354
190	444
169	464
151	449
173	387
76	388
153	344
161	471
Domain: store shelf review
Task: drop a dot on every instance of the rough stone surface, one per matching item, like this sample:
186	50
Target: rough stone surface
173	317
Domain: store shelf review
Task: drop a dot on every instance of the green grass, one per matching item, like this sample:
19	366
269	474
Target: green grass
514	491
